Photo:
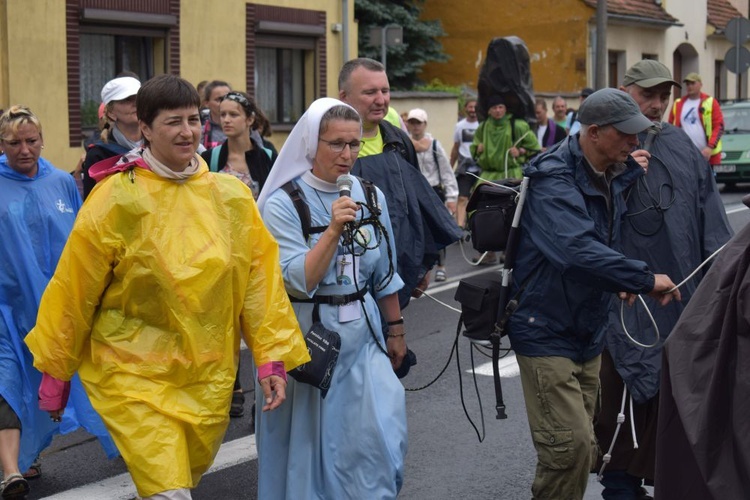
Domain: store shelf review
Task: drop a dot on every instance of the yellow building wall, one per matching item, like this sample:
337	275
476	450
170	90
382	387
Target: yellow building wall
33	58
222	55
555	32
442	114
3	54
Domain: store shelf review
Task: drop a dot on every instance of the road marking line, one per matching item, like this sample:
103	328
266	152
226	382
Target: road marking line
453	282
508	367
121	487
735	210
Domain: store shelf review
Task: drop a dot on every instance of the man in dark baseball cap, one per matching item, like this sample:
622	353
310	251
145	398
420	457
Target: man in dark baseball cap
613	107
690	223
567	276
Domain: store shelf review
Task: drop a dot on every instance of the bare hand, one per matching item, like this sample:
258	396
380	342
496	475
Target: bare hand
480	148
664	290
706	152
396	347
451	205
514	152
421	286
56	415
274	391
629	297
642	157
343	210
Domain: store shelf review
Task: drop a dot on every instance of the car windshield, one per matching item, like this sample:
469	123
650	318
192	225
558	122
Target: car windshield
737	120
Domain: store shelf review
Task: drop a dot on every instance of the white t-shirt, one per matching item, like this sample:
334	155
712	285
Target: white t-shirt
464	135
541	129
692	124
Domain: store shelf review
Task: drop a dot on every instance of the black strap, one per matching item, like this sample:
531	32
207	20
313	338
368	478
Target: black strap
294	192
333	300
302	210
437	165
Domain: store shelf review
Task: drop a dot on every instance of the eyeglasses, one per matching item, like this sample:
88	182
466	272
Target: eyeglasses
338	146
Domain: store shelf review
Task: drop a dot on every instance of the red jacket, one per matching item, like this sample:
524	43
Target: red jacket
713	132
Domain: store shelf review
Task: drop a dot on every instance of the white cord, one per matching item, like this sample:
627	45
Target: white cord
632	421
459	311
697	269
650	316
620	419
653	322
513	146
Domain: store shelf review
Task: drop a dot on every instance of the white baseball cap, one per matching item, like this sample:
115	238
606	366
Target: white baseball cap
119	89
417	114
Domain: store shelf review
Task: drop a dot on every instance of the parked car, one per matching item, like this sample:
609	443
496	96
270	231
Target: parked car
735	154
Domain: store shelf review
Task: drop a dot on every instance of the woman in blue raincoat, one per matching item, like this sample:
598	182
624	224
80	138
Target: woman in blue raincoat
37	208
352	443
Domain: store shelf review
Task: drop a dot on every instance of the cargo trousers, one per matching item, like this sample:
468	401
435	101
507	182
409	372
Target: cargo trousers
562	397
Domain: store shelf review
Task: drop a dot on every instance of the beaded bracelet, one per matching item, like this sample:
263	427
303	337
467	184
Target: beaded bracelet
397	334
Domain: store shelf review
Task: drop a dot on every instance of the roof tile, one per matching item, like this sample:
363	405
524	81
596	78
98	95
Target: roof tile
637	8
720	12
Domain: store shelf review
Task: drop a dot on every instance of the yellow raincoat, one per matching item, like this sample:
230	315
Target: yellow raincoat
147	303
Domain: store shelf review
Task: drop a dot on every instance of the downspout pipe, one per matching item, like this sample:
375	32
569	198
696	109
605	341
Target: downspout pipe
345	30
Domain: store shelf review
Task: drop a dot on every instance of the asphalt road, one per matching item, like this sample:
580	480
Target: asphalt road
445	459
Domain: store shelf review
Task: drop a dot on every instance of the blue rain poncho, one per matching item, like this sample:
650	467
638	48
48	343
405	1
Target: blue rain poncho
36	216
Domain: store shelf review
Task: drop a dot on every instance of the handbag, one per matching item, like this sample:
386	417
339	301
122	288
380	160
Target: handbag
324	346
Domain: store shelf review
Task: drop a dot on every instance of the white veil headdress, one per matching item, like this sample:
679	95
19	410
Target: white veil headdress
297	154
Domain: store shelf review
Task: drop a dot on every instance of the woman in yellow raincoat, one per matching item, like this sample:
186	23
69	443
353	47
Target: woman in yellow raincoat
166	265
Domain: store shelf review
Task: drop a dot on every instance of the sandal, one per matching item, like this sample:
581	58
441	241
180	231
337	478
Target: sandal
440	275
35	470
237	409
14	486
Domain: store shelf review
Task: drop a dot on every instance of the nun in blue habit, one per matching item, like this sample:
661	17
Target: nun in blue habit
352	442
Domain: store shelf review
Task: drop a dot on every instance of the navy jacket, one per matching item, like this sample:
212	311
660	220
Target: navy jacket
567	251
421	224
675	220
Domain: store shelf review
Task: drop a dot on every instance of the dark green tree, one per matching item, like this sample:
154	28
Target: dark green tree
421	38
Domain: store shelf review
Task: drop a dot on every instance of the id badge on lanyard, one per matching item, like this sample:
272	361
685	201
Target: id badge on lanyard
347	266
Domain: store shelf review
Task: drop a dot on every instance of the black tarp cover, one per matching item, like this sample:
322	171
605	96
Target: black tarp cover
703	439
506	71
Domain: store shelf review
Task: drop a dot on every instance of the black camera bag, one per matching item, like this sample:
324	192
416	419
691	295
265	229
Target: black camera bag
480	298
490	214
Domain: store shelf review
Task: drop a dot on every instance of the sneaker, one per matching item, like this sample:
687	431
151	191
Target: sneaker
440	275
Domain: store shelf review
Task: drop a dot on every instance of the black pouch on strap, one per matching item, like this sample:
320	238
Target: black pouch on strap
479	297
324	346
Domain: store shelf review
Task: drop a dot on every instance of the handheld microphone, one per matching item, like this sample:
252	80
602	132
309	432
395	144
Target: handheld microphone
344	184
652	133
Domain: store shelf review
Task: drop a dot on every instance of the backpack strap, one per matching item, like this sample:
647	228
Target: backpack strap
435	159
214	165
371	195
302	210
268	152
